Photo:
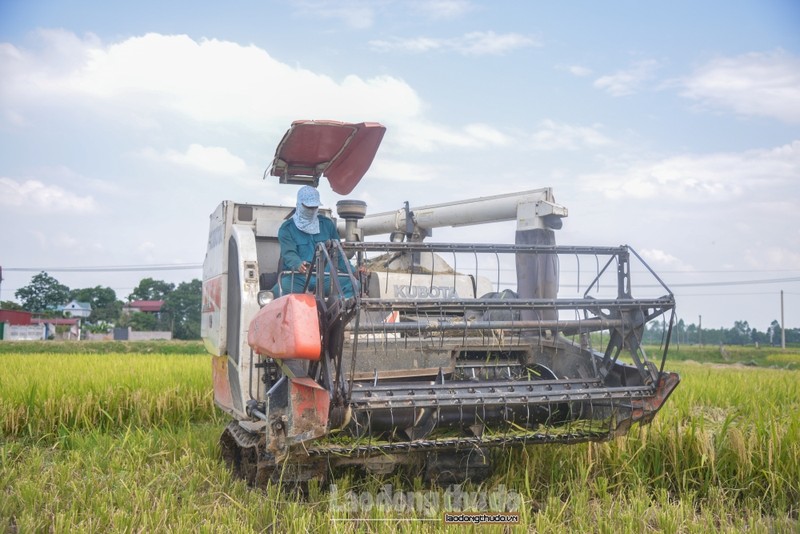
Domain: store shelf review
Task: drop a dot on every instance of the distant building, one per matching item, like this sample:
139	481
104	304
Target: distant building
128	334
71	327
16	325
15	317
144	306
76	309
152	307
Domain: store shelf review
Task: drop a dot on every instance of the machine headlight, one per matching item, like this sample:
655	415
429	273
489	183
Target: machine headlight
265	297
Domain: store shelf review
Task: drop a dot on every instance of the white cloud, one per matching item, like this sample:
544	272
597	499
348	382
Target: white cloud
486	134
658	259
577	70
482	43
443	9
426	136
412	44
757	84
65	175
14	118
149	79
706	178
552	135
40	237
63	242
146	247
355	14
146	251
403	171
361	14
58	53
215	160
146	81
207	80
774	256
626	82
33	194
469	44
67	242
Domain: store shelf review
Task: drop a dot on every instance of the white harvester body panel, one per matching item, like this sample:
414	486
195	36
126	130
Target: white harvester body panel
242	246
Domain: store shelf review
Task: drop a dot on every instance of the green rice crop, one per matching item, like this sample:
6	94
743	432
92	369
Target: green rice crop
784	357
47	394
763	356
128	443
157	346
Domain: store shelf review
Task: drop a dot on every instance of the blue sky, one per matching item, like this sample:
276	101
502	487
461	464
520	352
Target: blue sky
673	127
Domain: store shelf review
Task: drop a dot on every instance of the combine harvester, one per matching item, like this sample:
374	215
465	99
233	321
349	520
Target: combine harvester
447	350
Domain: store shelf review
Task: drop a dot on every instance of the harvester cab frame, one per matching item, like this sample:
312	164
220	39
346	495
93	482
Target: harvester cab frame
438	357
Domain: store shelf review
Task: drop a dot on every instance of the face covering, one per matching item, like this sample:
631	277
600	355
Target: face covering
306	219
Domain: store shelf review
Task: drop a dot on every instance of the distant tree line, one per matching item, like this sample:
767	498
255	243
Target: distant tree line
740	334
180	313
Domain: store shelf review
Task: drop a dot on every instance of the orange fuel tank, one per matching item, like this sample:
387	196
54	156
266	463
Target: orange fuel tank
286	328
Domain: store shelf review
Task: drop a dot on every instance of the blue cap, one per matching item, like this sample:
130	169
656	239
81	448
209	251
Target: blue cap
308	196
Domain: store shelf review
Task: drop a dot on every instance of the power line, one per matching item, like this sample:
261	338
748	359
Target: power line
724	271
702	284
732	283
111	268
195	266
761	293
637	271
183	266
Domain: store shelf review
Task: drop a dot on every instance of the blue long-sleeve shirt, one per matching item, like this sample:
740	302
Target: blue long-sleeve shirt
298	246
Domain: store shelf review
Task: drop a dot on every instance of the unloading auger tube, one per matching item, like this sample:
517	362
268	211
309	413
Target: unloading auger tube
425	366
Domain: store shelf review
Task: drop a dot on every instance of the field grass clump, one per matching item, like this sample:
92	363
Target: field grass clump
128	443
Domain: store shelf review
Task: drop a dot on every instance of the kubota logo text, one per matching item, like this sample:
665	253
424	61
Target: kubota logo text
425	292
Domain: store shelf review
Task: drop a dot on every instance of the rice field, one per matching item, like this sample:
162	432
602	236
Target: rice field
127	442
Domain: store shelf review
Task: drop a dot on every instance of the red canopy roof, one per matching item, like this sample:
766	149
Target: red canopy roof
340	151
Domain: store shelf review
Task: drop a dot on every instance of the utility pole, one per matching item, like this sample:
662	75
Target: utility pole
700	332
783	326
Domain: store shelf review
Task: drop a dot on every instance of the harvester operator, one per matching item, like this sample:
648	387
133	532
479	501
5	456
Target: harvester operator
298	237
